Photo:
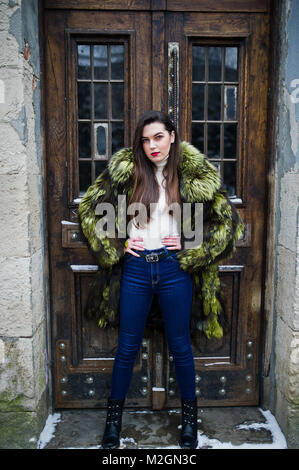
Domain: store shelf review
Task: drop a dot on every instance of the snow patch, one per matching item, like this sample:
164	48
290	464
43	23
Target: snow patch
141	412
171	412
127	440
49	430
278	439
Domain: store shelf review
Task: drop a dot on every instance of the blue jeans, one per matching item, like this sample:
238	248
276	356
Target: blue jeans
173	286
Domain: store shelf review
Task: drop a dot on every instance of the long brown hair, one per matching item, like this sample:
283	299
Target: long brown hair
146	188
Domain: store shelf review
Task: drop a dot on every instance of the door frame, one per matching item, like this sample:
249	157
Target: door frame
158	7
267	379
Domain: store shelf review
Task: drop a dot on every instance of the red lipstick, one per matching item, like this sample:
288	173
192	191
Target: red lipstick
154	154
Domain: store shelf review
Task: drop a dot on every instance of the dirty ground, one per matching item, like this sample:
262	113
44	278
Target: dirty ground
218	428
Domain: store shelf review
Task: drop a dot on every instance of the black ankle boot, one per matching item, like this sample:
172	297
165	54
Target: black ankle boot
188	439
113	424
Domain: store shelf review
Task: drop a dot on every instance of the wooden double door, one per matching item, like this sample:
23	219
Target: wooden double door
105	63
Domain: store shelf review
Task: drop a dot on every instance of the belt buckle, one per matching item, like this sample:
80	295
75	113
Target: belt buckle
152	257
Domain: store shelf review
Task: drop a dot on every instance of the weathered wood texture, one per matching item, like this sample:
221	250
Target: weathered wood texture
224	6
227	369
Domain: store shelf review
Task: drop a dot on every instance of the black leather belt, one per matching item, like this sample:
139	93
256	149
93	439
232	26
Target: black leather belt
155	257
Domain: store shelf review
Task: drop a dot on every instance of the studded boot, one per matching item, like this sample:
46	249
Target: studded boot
113	424
188	438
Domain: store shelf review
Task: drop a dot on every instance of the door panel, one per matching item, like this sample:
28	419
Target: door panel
93	115
209	71
223	73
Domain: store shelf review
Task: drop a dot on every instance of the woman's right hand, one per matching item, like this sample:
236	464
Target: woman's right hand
134	244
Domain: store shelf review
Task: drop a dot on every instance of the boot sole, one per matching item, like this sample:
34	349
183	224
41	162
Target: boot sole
110	447
194	446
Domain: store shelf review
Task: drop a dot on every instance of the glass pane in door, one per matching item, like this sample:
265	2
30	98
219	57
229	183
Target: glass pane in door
101	107
215	94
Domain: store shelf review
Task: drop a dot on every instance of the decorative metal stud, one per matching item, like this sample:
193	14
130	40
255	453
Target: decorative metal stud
171	392
248	378
63	380
248	390
144	378
75	236
249	356
222	391
144	391
222	379
144	356
63	358
91	393
64	393
197	391
171	380
249	344
89	380
144	343
171	358
62	345
197	379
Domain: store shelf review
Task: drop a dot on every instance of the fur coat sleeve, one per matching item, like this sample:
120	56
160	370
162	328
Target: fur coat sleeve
107	250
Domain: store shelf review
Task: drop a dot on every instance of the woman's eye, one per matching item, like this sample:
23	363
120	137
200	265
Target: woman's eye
158	137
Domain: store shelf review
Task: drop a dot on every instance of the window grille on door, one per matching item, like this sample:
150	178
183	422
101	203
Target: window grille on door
215	94
100	92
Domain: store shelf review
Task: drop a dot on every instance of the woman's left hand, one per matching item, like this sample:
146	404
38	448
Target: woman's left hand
172	242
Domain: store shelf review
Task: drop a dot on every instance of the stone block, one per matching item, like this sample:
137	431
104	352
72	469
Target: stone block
2	352
293	427
10	50
4	18
289	196
281	409
37	288
22	372
32	121
16	297
12	156
282	355
16	376
13	96
14	236
21	429
22	301
286	281
40	366
35	212
296	304
294	369
18	430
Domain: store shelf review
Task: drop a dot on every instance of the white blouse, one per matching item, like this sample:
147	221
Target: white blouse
162	223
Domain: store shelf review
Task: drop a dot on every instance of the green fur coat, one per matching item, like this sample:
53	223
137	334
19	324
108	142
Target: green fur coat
199	182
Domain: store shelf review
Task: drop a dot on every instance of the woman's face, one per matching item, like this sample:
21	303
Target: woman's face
156	141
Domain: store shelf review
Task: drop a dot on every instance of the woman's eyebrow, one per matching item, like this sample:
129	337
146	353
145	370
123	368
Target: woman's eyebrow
161	132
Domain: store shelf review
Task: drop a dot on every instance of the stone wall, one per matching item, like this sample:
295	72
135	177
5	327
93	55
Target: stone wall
24	378
285	361
23	364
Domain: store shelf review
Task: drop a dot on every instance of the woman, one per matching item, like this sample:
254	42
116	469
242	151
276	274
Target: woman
158	173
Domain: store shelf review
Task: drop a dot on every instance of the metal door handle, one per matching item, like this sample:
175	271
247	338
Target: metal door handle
173	82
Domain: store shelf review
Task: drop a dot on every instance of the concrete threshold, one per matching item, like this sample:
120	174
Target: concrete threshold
218	428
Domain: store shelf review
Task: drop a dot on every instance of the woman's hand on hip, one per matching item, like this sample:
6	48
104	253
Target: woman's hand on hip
134	244
172	242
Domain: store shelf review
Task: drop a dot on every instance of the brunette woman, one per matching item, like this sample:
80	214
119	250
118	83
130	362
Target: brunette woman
154	259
